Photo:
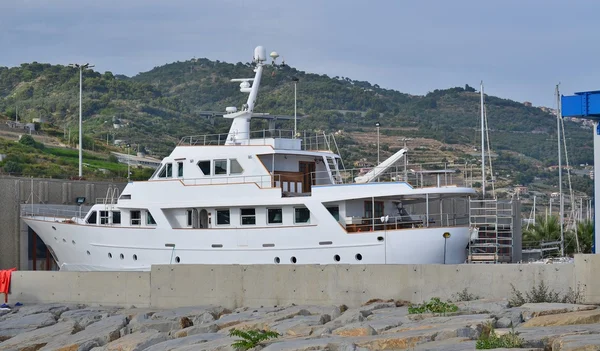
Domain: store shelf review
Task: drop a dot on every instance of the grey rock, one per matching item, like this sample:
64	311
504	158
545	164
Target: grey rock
506	317
325	343
352	316
504	322
452	344
176	344
577	342
220	344
542	337
137	341
163	326
300	325
177	313
531	310
483	306
15	325
355	329
204	318
54	308
96	334
85	317
196	329
38	338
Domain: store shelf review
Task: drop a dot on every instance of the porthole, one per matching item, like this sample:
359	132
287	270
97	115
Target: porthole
109	255
135	257
121	256
73	242
177	259
88	252
379	238
358	257
293	259
277	260
64	241
336	258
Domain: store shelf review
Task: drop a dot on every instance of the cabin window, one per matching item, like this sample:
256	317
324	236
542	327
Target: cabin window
189	218
136	217
149	219
223	217
235	167
116	217
204	167
169	170
92	218
163	172
248	216
274	216
180	169
103	217
369	209
301	215
335	212
220	167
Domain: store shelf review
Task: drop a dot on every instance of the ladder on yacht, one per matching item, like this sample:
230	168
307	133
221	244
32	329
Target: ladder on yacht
333	170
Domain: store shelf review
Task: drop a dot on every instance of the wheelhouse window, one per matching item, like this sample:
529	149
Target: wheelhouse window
163	172
335	212
116	217
369	209
248	216
301	215
136	217
189	218
92	218
180	169
220	167
223	217
204	167
169	170
103	217
149	219
235	167
274	216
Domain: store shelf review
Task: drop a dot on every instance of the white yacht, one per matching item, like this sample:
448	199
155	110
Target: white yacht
268	197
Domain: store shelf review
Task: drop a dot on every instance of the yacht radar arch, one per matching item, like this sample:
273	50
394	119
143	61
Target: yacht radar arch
240	127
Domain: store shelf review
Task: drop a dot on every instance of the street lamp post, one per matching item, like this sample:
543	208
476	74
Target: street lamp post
295	79
81	68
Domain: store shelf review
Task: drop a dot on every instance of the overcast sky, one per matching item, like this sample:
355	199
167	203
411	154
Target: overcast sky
520	49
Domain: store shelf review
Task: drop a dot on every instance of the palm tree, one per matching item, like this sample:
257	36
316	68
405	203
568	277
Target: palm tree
544	230
585	234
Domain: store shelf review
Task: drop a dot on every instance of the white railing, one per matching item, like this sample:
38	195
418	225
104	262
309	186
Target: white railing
436	220
309	140
263	181
53	214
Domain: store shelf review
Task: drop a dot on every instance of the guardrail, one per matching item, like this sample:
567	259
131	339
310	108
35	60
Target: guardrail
54	214
435	220
263	181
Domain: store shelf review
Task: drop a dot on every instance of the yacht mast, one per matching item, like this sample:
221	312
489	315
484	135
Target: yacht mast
482	146
560	194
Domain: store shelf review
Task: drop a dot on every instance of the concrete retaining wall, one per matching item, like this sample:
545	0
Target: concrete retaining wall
233	286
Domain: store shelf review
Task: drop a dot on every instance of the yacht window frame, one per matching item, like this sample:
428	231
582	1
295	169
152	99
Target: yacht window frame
179	169
222	171
149	218
137	219
93	215
336	216
217	217
204	162
296	212
235	164
169	167
189	218
103	216
162	172
250	218
118	216
269	215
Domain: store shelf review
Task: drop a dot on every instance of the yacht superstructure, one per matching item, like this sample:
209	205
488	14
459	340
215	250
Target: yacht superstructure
267	197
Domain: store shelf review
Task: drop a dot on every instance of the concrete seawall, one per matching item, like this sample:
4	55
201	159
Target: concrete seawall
167	286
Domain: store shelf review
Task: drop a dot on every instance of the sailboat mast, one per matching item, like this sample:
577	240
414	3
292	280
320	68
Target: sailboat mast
482	146
560	195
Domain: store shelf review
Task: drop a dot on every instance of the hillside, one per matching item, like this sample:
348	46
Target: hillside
156	108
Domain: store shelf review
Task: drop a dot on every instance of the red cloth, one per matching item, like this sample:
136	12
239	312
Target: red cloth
5	282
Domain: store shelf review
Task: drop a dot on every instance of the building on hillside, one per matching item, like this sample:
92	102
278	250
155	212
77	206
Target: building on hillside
521	189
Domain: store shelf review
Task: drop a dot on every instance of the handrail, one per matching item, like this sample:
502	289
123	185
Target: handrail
263	181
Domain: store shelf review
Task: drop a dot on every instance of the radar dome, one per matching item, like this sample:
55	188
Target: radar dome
274	55
260	54
231	109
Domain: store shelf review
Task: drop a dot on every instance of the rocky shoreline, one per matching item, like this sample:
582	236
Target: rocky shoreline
378	325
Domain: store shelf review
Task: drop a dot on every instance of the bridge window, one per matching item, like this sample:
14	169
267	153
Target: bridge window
163	172
235	167
180	169
274	216
301	215
136	217
220	167
149	219
248	216
116	217
204	167
369	209
335	212
92	218
189	218
103	217
169	170
223	217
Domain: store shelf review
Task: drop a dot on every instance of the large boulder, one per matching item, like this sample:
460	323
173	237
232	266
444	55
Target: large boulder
531	310
17	324
96	334
36	339
570	318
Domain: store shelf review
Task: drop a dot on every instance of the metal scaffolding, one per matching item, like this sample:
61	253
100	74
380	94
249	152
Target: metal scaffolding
492	227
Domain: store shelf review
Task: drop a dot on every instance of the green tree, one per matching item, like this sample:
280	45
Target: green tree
544	230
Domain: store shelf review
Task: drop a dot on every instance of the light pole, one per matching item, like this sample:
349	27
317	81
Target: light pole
128	172
295	79
377	124
81	68
446	235
405	158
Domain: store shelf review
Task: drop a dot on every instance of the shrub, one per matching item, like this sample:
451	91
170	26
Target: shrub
435	306
464	296
489	340
541	293
251	338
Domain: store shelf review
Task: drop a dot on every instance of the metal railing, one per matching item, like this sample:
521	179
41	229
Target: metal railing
54	214
435	220
309	140
263	181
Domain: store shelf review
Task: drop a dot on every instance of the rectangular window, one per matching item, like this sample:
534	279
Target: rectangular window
236	168
220	167
189	218
223	217
301	215
163	172
103	217
248	216
274	216
92	218
116	217
136	217
335	212
369	209
180	169
149	219
169	170
204	167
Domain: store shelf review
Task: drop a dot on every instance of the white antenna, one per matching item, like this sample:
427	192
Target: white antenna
482	146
